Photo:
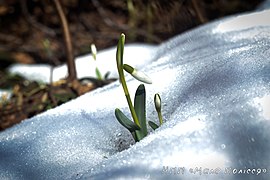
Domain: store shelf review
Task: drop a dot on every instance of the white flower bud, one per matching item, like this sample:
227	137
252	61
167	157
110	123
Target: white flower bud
94	51
157	101
140	76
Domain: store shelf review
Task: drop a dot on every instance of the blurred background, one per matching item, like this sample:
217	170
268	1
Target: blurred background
30	30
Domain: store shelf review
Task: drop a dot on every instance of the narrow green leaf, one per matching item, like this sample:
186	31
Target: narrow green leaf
106	76
98	74
139	106
153	125
127	123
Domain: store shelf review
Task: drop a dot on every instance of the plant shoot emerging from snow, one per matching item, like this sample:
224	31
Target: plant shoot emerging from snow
137	127
94	55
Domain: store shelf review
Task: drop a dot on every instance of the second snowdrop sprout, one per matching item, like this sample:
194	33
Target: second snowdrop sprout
94	55
137	127
94	51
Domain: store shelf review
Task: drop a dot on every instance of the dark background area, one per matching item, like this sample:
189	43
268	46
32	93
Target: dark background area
27	25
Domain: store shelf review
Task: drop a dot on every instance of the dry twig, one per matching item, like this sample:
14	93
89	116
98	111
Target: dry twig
72	74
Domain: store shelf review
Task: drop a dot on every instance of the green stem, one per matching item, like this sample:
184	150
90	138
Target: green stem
160	118
119	59
132	110
130	105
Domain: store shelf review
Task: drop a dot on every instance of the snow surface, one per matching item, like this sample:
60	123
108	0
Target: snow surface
215	90
86	65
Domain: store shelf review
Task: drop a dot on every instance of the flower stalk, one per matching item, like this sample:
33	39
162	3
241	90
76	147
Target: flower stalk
119	62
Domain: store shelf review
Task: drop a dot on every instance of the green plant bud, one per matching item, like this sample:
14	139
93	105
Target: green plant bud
140	76
157	101
128	68
94	51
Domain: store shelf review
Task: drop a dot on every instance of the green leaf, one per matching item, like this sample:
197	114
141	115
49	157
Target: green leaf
153	125
139	106
127	123
98	74
106	76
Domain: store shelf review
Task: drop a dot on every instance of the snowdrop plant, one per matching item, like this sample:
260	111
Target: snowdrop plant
94	55
137	127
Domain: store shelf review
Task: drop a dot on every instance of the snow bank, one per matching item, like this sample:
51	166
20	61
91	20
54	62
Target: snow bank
138	54
215	88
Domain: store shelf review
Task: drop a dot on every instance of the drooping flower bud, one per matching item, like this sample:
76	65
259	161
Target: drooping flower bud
140	76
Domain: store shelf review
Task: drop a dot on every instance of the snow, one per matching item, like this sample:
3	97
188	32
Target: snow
214	87
244	22
86	65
